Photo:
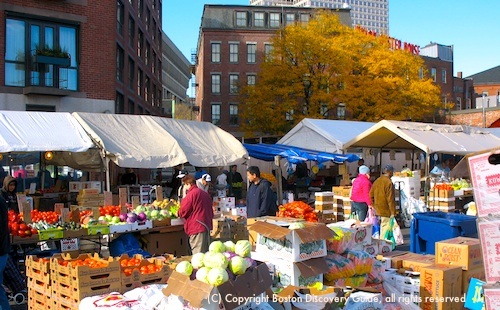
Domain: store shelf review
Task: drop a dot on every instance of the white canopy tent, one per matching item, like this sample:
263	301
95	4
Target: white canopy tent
22	131
324	135
430	138
142	141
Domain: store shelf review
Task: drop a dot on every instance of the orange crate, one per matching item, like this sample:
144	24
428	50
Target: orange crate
37	275
69	296
39	286
38	263
34	304
137	279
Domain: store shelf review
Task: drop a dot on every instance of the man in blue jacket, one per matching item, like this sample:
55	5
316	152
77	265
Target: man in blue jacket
261	200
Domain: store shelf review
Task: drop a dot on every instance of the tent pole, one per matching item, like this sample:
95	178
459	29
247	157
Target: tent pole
381	170
108	185
277	162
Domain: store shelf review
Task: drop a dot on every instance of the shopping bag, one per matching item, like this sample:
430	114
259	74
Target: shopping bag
396	232
371	218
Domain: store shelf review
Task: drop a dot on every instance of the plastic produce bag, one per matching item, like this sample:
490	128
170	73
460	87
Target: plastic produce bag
363	262
338	267
342	241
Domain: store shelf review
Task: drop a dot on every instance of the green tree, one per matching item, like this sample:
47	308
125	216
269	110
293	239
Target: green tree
184	111
315	66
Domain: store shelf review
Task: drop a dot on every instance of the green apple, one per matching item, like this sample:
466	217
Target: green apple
115	220
102	218
109	217
154	214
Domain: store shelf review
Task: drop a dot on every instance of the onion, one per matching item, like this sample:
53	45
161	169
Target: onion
123	217
141	217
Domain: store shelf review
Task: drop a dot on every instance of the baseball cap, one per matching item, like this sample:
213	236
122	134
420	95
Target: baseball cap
181	174
207	177
389	168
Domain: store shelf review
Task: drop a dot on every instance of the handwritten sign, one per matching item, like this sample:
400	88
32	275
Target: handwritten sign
58	207
159	193
108	198
122	196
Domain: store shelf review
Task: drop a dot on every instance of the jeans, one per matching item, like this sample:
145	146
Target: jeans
361	209
4	301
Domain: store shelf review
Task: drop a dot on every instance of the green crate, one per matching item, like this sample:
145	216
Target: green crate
98	229
52	233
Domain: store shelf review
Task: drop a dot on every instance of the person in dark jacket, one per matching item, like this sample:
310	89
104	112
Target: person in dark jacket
261	200
196	209
4	250
9	193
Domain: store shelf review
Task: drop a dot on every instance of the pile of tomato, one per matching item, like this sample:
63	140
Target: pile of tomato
110	210
298	209
50	217
18	228
132	264
90	262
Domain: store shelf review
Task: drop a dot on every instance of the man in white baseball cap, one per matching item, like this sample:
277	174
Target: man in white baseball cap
204	183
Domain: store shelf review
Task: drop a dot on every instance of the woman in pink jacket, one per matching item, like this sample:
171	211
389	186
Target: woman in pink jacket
360	192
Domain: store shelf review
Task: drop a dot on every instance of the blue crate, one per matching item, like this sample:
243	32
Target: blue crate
427	228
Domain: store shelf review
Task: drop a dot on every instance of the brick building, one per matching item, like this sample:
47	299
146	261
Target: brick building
114	52
232	43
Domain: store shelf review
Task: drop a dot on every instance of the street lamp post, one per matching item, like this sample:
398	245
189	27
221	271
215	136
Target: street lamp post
484	112
341	110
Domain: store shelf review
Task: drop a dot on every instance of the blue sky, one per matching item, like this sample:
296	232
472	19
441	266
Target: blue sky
470	26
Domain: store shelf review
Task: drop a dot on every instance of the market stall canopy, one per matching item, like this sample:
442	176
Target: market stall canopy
22	131
294	154
143	141
430	138
324	135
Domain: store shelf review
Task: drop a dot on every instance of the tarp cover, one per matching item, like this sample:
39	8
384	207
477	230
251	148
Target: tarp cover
143	141
22	131
324	135
294	154
430	138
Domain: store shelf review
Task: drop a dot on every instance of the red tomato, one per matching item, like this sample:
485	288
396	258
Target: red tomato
23	226
27	232
34	231
21	233
14	226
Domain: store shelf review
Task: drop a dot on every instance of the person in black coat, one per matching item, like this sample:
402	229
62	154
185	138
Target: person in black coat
261	199
4	250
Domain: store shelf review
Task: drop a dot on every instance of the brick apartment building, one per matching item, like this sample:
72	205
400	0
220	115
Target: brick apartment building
232	43
115	56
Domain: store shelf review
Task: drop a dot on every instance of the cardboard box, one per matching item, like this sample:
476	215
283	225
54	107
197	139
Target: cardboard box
299	273
397	260
476	273
383	246
361	232
172	241
417	263
387	258
323	205
323	196
491	296
252	283
460	251
329	297
438	282
474	299
293	245
489	235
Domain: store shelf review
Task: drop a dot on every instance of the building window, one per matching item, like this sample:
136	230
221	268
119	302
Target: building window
120	16
140	8
146	89
289	115
268	48
251	79
146	53
139	82
274	20
131	107
259	19
215	83
216	113
148	18
233	83
443	76
290	19
304	18
233	114
140	42
131	30
241	19
23	37
215	52
131	73
421	73
119	104
251	52
119	63
433	74
459	103
233	52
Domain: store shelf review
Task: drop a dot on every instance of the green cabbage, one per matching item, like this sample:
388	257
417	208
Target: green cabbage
197	260
214	260
217	276
202	273
238	265
297	225
185	268
229	246
217	247
243	248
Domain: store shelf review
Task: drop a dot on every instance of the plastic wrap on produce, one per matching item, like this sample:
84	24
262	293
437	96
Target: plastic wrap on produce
149	296
375	276
342	241
109	301
339	267
363	262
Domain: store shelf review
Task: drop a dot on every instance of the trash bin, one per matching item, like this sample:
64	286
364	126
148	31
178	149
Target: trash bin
427	228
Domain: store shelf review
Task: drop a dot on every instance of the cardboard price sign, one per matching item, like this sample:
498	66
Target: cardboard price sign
108	198
135	201
159	193
69	244
21	202
65	215
122	196
58	207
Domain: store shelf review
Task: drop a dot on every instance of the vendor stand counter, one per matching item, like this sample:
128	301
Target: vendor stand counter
157	241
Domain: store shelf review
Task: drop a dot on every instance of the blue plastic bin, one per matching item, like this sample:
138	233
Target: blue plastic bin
427	228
